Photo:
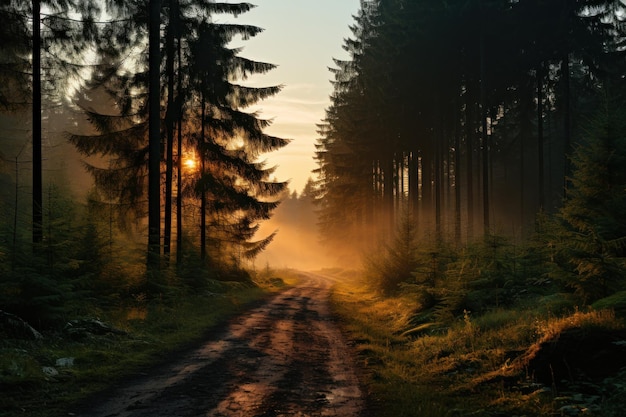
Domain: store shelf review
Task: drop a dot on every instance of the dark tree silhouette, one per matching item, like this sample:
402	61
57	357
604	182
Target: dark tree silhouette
590	234
441	95
198	74
154	135
234	191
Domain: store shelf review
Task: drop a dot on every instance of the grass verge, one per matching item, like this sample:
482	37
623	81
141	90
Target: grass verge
470	366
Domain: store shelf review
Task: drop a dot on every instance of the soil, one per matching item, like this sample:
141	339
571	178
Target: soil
286	357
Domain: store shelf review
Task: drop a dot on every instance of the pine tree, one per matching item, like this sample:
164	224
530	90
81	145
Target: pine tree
154	138
206	100
591	235
235	190
429	99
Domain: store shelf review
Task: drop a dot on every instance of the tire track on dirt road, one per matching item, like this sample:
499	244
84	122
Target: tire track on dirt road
286	357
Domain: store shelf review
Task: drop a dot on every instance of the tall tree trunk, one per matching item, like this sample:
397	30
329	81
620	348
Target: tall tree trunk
169	127
426	206
414	185
438	165
36	124
388	192
567	140
438	184
179	167
525	134
485	145
397	167
565	80
457	179
202	191
401	180
469	145
15	211
522	173
372	203
154	158
540	162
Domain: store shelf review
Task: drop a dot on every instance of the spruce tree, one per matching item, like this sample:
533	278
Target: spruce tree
235	190
154	139
591	234
446	94
205	69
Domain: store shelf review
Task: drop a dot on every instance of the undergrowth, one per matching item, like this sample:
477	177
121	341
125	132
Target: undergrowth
469	365
33	384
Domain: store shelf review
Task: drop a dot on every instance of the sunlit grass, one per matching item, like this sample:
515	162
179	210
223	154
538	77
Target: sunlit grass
462	368
553	326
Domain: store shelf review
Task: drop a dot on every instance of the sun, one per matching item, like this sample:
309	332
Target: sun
190	163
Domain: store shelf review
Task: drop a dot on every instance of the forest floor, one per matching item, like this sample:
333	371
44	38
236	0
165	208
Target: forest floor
286	357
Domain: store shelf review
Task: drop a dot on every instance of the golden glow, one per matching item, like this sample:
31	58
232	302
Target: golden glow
190	161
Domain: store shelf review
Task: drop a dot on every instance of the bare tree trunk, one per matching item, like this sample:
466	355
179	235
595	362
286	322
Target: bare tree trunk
485	145
427	204
540	162
567	140
469	146
36	124
179	197
169	127
457	180
17	189
414	185
388	192
203	191
438	167
154	158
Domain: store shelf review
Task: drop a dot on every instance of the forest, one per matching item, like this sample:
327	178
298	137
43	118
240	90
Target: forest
479	123
467	116
169	193
498	123
470	188
473	158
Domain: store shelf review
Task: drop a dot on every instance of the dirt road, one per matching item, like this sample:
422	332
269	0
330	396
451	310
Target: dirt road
284	358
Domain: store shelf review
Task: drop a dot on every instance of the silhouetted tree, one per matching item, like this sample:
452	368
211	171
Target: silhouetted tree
234	190
590	238
439	94
154	135
205	68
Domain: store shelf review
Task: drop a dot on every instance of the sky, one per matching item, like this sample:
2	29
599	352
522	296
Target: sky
302	37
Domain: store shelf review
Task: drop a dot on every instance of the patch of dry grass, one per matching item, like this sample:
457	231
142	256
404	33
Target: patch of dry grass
462	369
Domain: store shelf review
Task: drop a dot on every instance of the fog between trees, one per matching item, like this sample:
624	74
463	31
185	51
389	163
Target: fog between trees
460	116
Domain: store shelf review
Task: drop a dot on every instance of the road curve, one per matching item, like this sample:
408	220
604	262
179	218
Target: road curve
284	358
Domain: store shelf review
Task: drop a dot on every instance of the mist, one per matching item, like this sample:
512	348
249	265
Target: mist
62	164
297	244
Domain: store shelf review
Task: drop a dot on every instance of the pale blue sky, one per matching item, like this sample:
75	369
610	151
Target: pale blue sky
302	37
